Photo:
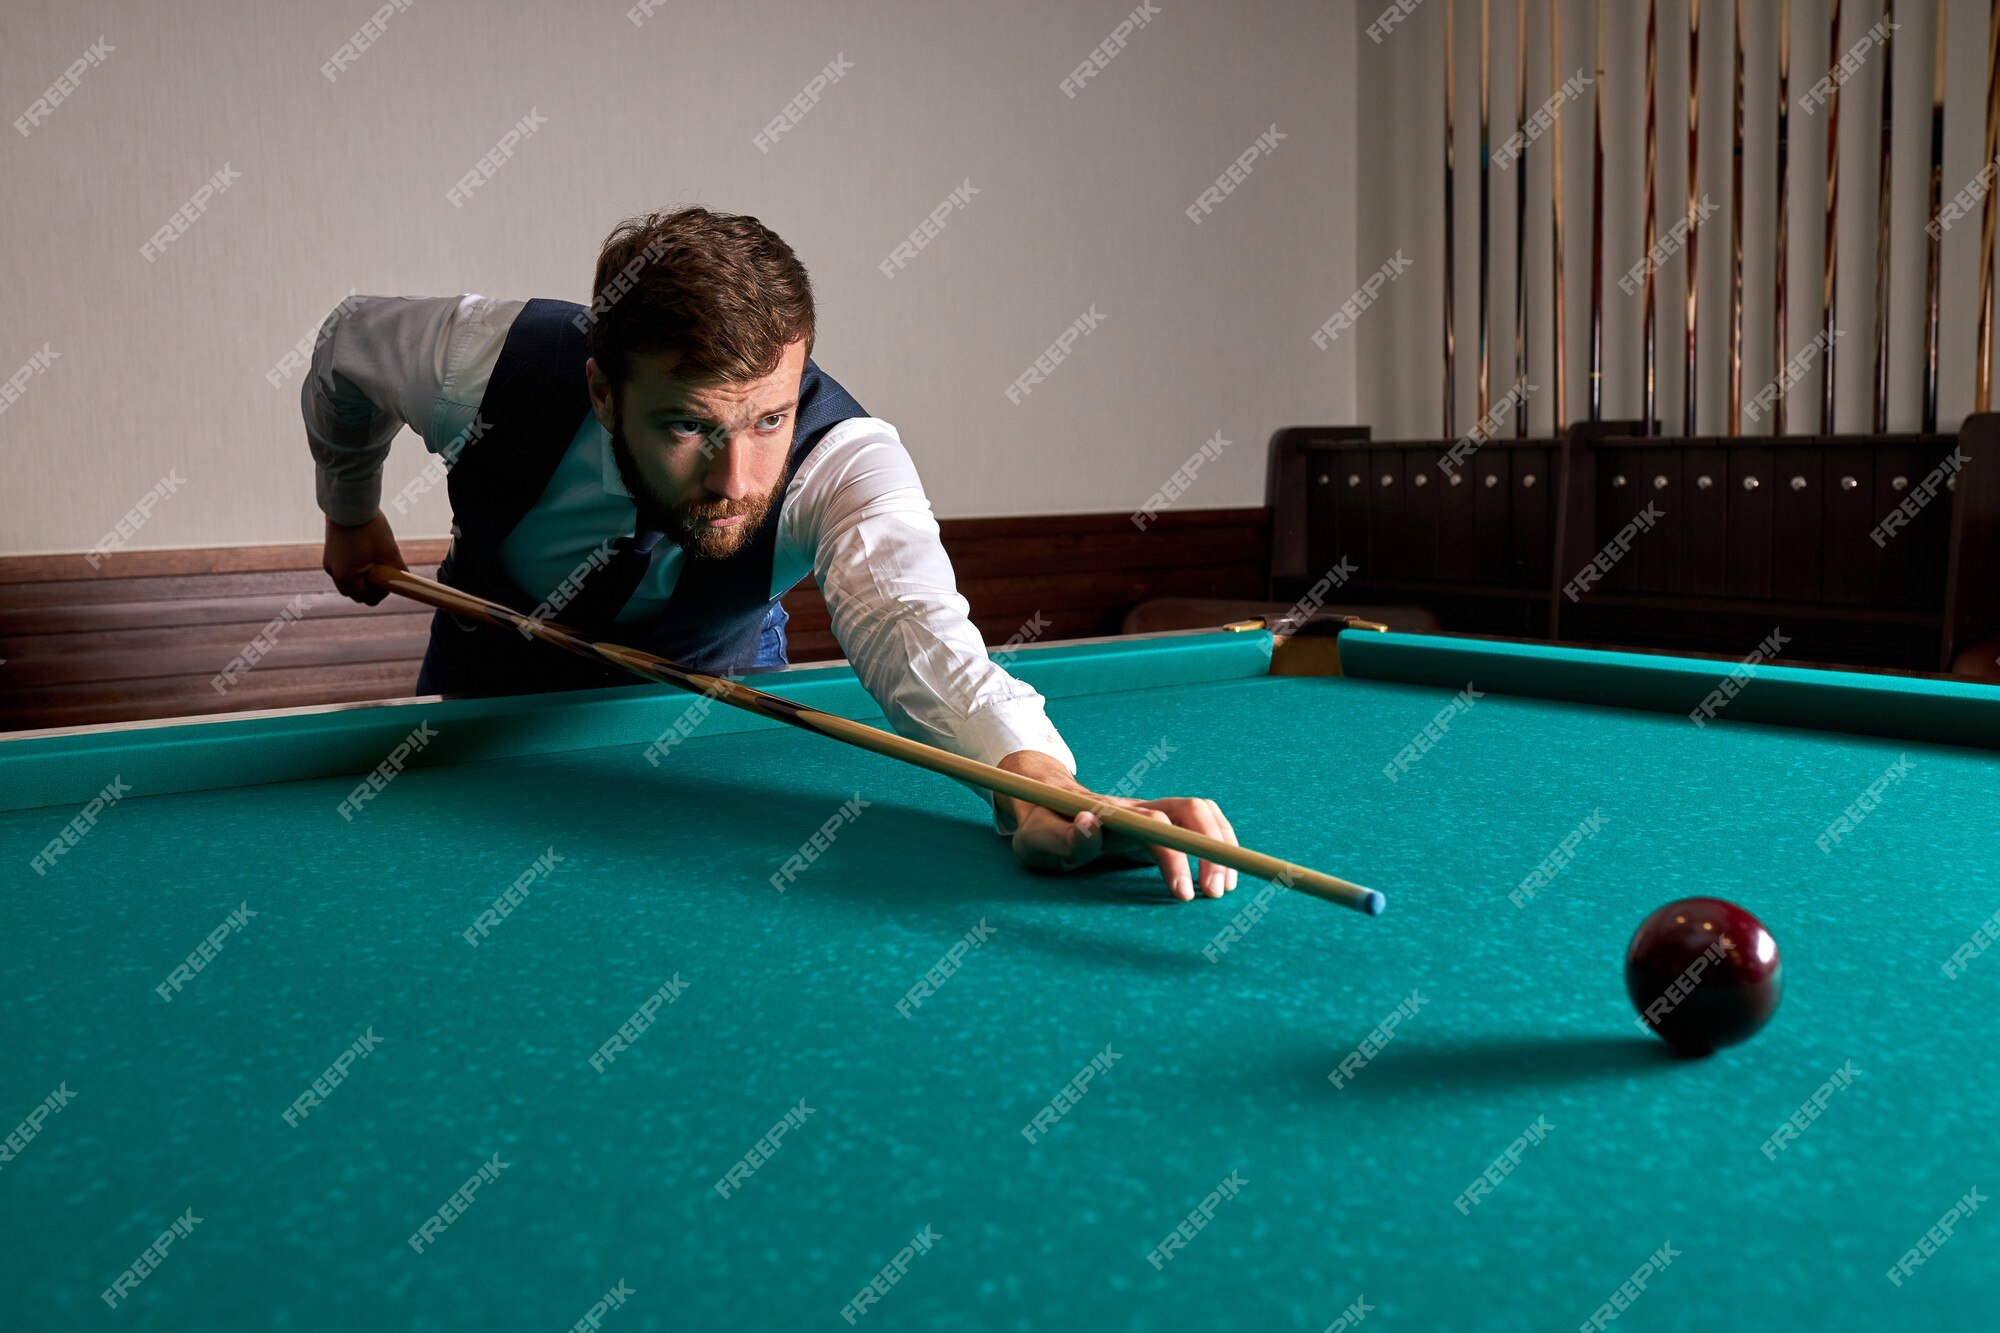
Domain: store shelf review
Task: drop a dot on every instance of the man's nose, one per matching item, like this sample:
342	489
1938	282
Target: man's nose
729	469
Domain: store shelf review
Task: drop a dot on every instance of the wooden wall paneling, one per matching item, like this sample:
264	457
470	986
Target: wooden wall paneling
1491	477
1972	581
1420	485
1851	560
1798	517
1532	498
145	634
1457	554
1749	540
1388	535
1702	496
1656	476
1621	493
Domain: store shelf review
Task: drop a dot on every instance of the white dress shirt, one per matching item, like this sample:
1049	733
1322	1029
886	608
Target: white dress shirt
855	516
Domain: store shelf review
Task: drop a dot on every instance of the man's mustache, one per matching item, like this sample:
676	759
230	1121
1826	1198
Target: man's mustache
710	513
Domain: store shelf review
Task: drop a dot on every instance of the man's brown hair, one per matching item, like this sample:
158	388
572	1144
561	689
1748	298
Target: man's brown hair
720	293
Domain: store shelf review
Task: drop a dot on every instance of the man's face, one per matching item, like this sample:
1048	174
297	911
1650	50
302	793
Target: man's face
705	463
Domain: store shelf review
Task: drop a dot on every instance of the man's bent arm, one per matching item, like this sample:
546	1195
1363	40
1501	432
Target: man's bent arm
383	362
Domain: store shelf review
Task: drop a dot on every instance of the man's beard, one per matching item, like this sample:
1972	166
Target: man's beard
687	525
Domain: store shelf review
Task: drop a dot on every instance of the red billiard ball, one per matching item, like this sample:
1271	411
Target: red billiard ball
1703	974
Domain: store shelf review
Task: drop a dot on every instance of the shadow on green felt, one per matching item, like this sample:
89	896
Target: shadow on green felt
938	858
1111	948
1412	1067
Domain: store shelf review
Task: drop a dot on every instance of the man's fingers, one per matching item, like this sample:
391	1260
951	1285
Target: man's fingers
1216	826
1085	837
1198	816
351	551
1173	864
1035	853
357	587
1046	840
356	584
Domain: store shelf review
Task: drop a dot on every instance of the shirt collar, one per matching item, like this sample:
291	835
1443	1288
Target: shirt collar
613	483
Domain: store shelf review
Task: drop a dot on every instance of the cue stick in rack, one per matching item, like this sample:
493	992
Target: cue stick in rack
737	695
1983	390
1882	233
1597	228
1736	243
1556	212
1830	247
1486	206
1779	307
1520	218
1694	233
1450	269
1931	275
1652	155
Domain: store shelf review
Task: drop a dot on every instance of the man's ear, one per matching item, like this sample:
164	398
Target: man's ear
603	395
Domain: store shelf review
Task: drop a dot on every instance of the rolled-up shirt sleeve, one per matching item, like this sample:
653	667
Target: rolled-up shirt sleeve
896	608
381	363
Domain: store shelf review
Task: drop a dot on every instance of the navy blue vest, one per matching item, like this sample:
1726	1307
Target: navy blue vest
534	404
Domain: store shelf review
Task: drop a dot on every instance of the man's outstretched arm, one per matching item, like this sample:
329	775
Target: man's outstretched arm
859	507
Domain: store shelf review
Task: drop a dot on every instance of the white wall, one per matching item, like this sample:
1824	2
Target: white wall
161	365
1402	174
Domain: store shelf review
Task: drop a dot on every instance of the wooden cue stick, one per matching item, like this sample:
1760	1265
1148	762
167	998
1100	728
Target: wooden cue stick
1521	219
1830	246
1694	232
1450	220
1932	274
1736	244
1983	394
1597	229
1780	307
1652	145
1282	873
1556	210
1882	210
1486	207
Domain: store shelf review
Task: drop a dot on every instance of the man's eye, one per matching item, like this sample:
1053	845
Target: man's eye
685	428
772	422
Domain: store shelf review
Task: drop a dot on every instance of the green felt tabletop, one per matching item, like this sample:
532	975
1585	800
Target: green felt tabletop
915	1120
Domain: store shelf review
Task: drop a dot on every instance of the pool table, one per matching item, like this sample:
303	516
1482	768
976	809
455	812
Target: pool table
611	1010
